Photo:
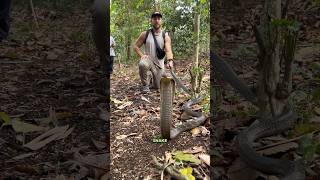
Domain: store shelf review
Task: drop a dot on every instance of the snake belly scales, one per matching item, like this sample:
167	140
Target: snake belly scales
284	169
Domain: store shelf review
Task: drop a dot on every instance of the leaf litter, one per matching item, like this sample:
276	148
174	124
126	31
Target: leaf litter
43	83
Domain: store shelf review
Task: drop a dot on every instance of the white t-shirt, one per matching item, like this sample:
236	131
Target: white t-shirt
112	53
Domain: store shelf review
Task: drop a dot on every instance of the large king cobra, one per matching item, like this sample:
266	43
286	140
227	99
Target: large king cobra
167	91
284	169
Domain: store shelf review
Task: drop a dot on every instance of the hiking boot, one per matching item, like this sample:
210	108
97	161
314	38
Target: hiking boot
145	89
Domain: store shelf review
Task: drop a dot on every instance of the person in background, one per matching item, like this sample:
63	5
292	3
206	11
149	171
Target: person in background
112	54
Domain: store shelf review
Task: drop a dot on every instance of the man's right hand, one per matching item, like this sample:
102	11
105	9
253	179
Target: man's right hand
144	56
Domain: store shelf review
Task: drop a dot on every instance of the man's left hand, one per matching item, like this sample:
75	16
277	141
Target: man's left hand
169	64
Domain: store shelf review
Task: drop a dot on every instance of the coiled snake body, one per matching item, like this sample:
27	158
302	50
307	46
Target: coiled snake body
167	89
284	169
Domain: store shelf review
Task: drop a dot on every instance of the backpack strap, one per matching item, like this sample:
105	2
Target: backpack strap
164	37
147	33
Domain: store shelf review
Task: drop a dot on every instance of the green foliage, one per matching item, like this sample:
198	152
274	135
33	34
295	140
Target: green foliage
180	156
307	148
197	70
297	96
188	173
303	129
5	117
316	3
316	69
129	19
316	95
285	23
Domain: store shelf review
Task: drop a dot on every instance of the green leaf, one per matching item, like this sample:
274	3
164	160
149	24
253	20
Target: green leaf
315	66
5	117
303	129
304	142
316	94
181	156
310	152
23	127
307	148
298	96
187	172
318	149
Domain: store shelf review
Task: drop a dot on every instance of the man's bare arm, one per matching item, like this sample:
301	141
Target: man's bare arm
168	47
139	43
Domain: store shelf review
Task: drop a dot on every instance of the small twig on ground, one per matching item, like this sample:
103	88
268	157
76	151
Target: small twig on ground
169	169
284	142
34	14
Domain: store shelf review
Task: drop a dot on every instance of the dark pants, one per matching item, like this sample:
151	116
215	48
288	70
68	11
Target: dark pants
110	66
4	18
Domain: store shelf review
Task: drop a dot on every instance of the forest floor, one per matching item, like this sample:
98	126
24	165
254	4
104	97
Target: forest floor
135	122
48	87
51	107
234	41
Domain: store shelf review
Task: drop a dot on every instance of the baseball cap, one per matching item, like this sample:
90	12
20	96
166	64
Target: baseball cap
156	13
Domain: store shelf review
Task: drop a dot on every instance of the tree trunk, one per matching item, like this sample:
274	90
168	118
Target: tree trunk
269	76
195	73
128	37
196	39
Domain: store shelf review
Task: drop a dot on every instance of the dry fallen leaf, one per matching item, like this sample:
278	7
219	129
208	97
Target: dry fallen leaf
201	130
205	158
124	136
121	136
125	105
22	156
141	112
315	119
145	99
195	132
194	150
149	177
99	145
168	157
23	127
204	130
115	100
51	135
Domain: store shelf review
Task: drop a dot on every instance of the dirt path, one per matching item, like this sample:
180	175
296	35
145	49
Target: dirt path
131	156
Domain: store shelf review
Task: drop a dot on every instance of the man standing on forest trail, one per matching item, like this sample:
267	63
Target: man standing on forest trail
149	59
